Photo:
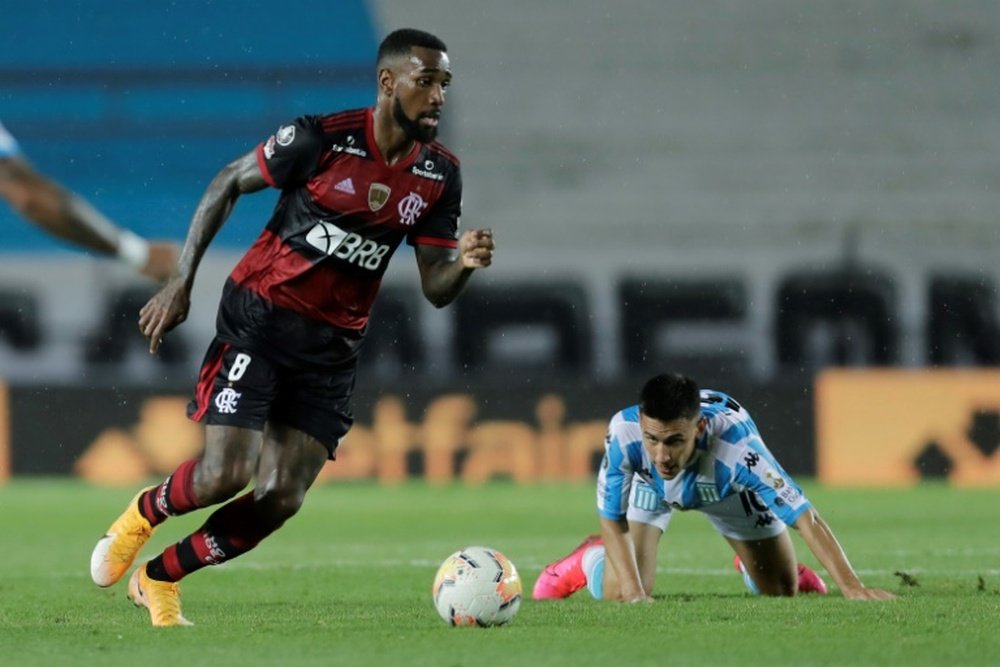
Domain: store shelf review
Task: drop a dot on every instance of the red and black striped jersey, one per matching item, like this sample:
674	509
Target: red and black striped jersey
304	290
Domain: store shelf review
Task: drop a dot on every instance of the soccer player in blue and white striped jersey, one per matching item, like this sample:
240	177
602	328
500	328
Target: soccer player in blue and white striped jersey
685	449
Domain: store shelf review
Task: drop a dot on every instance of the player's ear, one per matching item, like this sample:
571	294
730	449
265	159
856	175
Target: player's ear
386	81
702	424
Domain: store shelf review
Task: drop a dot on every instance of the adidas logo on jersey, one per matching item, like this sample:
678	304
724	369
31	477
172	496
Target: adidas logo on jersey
346	185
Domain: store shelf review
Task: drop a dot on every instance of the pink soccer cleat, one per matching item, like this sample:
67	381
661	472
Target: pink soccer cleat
810	582
565	576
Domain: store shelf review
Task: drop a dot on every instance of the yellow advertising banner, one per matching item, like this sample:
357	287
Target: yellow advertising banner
896	427
552	450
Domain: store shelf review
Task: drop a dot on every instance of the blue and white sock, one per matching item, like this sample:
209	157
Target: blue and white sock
593	569
751	586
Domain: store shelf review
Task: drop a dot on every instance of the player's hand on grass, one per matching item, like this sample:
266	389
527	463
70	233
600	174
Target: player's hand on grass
168	308
475	248
634	595
639	599
864	593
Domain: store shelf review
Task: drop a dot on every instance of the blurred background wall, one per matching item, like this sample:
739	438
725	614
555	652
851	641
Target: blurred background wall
752	193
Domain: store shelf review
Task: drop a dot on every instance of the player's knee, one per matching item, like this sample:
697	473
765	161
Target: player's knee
222	482
275	506
784	586
781	593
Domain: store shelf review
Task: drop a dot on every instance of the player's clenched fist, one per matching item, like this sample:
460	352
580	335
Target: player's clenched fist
476	248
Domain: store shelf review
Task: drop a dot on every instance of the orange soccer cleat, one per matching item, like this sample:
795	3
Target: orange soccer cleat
161	598
116	551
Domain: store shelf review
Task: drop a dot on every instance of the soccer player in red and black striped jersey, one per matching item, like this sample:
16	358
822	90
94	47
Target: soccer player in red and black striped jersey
274	391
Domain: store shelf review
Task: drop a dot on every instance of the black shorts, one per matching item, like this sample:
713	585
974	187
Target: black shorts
246	389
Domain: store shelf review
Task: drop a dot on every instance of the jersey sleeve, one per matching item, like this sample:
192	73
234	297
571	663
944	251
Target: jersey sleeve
440	226
758	471
291	155
614	479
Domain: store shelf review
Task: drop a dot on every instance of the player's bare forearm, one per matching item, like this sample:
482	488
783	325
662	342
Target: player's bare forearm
443	280
72	218
444	273
239	177
619	552
55	209
169	307
823	543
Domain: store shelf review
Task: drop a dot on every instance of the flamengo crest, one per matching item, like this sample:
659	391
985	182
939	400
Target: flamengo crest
410	207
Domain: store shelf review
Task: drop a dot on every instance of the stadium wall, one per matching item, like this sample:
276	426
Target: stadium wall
871	428
470	432
741	163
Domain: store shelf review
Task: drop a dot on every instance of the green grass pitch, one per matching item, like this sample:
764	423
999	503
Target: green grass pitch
347	582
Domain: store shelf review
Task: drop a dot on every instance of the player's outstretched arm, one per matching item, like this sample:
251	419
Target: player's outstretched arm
68	216
169	307
824	545
619	552
444	273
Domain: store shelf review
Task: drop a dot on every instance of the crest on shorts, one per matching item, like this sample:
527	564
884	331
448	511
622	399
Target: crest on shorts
226	401
378	195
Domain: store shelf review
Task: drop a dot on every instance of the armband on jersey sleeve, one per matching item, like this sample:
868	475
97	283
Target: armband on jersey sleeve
290	156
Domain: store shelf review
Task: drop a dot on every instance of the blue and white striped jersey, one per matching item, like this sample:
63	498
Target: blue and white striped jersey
8	145
730	458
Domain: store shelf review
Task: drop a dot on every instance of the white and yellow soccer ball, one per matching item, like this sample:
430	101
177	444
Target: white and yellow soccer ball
477	586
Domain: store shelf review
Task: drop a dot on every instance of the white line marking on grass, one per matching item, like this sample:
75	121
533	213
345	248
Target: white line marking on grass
531	566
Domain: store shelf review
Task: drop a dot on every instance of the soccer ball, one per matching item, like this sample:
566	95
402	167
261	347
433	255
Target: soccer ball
477	586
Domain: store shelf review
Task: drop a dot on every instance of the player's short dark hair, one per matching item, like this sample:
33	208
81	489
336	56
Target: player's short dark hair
670	396
399	42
